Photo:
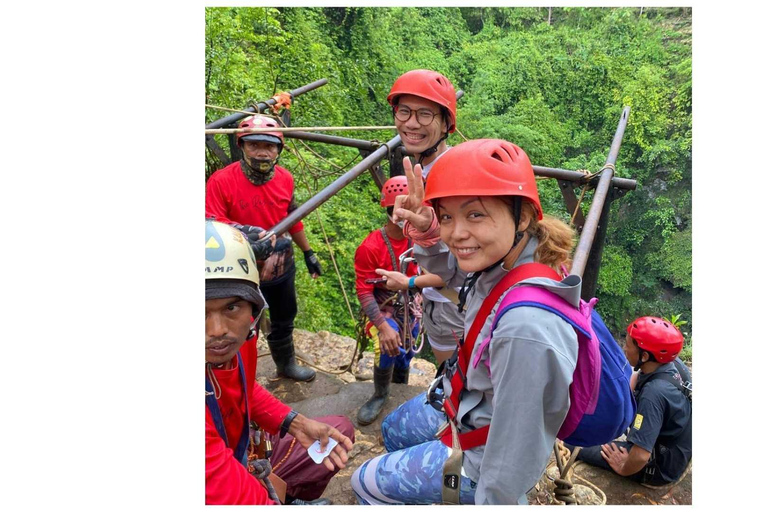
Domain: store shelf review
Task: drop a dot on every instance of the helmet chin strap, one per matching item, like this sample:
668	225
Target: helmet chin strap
431	150
640	361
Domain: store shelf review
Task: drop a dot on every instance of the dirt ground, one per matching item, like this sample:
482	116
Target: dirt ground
343	395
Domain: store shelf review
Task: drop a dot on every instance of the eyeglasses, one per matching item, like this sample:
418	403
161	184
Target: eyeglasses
424	116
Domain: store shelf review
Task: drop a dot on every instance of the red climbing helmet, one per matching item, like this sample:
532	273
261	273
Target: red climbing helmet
259	121
394	186
429	85
657	336
483	167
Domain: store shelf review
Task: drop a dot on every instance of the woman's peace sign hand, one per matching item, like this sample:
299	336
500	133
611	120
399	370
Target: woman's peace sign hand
411	207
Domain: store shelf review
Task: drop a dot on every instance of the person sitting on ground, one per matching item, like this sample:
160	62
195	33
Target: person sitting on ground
659	445
485	222
382	248
233	306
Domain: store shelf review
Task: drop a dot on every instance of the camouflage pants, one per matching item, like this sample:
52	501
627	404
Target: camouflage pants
412	473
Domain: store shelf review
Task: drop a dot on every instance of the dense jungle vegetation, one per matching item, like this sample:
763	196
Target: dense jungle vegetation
554	82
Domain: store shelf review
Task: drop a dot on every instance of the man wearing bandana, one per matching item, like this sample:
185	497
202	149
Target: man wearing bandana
256	193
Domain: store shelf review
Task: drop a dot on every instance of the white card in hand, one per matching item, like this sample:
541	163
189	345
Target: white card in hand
318	455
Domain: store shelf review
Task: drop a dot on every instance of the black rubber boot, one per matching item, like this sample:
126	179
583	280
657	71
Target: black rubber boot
299	501
285	359
400	375
371	409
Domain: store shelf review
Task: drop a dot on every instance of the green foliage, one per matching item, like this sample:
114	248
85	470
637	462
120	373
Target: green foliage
556	89
615	276
676	321
687	353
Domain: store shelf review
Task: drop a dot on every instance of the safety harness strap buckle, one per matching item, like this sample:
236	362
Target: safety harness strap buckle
452	470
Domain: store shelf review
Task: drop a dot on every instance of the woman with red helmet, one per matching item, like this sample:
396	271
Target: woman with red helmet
485	220
658	447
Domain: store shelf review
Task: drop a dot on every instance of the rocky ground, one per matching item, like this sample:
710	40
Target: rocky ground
344	393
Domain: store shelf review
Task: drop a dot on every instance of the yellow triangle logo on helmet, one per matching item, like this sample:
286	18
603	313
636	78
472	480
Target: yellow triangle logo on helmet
212	243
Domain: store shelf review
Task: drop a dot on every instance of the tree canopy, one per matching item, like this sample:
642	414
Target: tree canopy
553	83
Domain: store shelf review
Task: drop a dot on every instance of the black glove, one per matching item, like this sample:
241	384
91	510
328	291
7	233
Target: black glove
262	247
313	264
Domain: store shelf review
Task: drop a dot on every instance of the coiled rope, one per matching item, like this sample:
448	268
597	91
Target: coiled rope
566	463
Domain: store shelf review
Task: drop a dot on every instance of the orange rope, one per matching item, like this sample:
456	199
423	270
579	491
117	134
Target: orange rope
290	448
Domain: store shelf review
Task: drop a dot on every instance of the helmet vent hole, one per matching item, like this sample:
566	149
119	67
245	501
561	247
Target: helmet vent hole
665	324
652	320
499	156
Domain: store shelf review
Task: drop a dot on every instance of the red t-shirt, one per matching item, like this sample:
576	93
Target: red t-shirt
373	254
227	482
230	198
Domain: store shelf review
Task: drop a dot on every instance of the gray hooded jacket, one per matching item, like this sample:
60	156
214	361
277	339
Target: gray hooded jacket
532	356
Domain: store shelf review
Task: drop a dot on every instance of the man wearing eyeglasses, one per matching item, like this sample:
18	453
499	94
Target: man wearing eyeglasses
424	107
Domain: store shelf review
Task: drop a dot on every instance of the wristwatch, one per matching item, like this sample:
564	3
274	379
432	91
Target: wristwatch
286	424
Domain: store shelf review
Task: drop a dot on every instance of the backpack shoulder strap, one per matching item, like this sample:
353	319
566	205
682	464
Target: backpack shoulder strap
517	274
535	296
667	377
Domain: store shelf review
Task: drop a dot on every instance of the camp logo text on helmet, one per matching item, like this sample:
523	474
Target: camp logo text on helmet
657	336
484	167
230	265
429	85
228	255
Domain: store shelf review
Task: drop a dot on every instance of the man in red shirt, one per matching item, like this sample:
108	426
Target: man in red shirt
256	193
233	306
381	249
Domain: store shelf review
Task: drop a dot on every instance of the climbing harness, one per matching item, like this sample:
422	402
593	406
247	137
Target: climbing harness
404	303
448	433
259	452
